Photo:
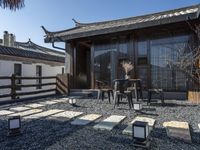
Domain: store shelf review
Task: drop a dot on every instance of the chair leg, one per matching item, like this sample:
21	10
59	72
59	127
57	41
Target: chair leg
99	94
149	97
136	95
115	99
141	95
129	101
118	99
102	95
109	96
112	94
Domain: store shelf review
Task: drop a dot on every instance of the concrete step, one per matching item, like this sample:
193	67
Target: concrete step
44	114
48	102
110	122
66	115
19	108
26	113
34	105
82	92
87	119
179	130
5	112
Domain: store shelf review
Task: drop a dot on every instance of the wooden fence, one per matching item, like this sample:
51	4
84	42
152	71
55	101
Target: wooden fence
60	82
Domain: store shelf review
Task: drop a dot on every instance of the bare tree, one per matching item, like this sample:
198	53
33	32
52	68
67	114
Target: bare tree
188	59
12	4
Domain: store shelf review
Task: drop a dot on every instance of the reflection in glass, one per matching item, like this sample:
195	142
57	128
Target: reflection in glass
162	75
105	62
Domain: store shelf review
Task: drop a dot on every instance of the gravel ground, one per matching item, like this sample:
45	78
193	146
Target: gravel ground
59	135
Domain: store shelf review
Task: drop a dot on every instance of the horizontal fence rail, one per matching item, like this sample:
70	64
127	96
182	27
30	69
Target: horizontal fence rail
60	82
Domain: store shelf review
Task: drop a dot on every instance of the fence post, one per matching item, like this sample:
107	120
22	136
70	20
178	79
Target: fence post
13	86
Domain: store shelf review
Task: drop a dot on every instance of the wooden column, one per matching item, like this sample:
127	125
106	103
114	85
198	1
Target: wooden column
92	67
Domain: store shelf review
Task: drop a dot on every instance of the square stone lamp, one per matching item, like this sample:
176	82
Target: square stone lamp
14	126
137	106
140	134
72	101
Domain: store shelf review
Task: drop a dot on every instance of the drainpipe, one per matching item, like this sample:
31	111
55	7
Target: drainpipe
53	45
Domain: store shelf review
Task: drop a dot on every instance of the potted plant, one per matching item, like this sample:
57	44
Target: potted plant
127	67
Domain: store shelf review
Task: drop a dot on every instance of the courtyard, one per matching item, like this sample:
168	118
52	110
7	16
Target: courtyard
45	126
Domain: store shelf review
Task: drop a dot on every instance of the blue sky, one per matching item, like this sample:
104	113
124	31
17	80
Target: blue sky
25	23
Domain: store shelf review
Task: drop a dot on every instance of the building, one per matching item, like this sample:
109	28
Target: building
28	60
95	50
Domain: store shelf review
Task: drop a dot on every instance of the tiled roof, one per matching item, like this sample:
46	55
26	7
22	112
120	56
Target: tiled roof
30	46
29	54
99	28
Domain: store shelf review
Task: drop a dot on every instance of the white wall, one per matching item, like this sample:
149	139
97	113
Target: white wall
7	69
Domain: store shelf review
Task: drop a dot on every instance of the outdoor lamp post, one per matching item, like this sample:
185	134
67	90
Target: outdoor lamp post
140	133
14	125
137	106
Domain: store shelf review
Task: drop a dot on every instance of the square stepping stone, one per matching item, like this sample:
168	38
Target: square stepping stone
26	113
5	112
66	115
151	123
110	122
19	108
60	100
48	103
86	119
43	114
179	130
34	105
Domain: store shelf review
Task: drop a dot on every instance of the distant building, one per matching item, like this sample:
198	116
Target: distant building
28	59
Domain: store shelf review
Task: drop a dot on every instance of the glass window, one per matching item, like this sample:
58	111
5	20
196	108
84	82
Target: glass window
105	62
142	48
122	56
162	75
18	72
38	74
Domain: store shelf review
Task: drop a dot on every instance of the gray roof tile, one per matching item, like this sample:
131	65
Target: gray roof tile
98	28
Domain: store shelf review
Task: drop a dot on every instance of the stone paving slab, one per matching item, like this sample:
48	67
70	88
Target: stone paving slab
48	103
110	122
66	115
60	100
43	114
34	105
151	123
26	113
20	108
179	130
5	112
86	119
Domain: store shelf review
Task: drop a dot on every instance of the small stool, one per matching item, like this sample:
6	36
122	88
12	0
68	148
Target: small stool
102	92
155	91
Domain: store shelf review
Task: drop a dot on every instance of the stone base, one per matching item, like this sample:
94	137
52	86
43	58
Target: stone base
179	130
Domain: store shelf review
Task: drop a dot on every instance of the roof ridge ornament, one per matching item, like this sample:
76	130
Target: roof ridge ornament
78	24
48	33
